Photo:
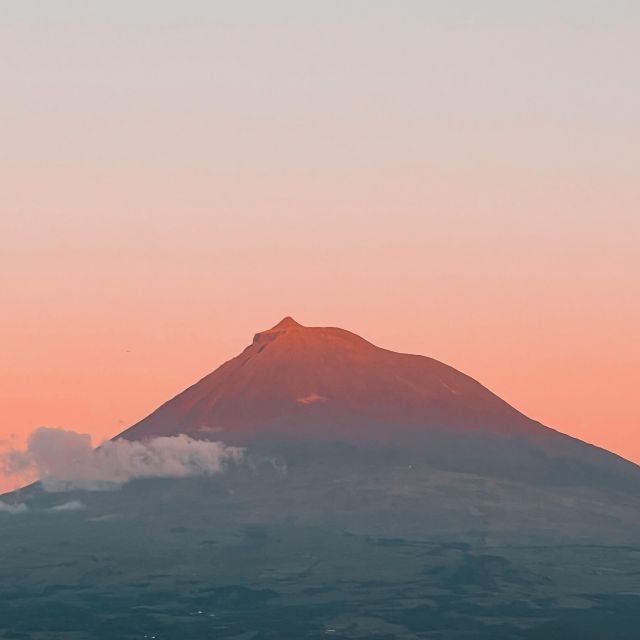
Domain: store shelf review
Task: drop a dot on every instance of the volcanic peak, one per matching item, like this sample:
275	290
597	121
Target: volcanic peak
287	323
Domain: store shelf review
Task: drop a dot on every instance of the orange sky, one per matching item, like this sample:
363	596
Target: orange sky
173	182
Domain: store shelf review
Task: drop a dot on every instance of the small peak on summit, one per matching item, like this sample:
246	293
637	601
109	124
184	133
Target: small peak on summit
287	323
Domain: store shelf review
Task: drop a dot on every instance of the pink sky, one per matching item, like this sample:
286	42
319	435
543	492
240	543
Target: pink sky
442	182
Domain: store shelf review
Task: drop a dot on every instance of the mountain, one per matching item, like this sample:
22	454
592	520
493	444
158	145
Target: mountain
380	496
330	382
297	385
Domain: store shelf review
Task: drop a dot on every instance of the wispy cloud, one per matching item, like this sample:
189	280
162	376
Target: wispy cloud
13	508
72	505
66	460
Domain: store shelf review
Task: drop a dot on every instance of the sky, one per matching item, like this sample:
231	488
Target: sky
456	179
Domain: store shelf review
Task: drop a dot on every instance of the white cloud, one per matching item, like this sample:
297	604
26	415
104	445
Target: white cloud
13	508
72	505
66	460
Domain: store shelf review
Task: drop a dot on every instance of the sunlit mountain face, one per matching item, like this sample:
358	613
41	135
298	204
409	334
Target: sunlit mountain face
303	387
328	383
371	494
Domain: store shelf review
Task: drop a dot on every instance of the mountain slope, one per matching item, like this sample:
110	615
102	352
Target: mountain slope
315	384
330	380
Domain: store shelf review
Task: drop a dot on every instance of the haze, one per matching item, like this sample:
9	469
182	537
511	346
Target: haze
459	180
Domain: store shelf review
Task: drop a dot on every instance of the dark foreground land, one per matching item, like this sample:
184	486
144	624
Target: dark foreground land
414	554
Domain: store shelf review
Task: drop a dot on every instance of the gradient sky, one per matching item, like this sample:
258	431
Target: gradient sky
457	179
